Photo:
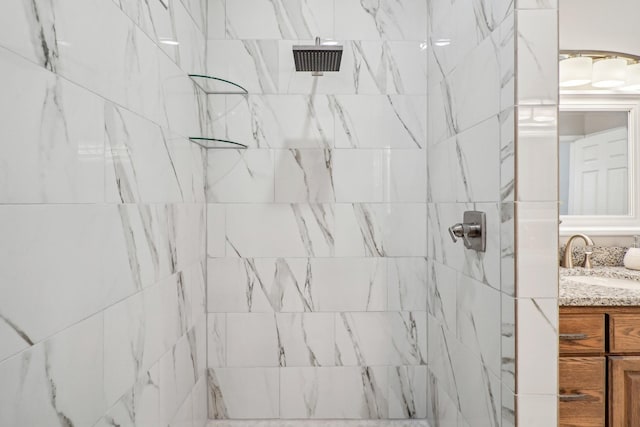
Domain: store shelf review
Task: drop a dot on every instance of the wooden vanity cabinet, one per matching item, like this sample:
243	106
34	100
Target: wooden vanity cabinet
624	389
599	368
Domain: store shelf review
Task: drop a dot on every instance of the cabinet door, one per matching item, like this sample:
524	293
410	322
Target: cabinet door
624	391
582	392
624	333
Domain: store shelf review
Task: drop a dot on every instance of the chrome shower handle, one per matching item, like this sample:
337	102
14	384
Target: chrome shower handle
464	231
471	231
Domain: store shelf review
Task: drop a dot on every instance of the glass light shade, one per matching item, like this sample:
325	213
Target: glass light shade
608	73
633	77
575	71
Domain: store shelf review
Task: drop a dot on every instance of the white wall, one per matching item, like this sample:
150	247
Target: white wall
317	271
102	214
486	153
600	25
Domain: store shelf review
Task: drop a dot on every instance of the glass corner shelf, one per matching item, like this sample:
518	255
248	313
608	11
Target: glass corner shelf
216	86
215	143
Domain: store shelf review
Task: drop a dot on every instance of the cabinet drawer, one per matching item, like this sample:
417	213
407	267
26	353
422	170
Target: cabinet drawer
624	333
581	333
582	391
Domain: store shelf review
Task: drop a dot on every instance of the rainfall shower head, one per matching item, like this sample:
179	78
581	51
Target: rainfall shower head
317	58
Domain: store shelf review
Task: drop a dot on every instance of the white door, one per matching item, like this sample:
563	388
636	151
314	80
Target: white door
599	165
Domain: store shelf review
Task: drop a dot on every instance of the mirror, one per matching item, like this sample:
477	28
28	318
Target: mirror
594	162
598	163
599	86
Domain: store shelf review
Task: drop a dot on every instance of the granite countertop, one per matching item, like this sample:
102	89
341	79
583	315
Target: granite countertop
575	293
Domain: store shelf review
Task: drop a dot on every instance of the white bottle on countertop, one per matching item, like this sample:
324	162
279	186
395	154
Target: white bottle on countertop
632	257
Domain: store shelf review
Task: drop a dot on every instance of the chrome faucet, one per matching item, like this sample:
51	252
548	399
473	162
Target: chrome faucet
567	259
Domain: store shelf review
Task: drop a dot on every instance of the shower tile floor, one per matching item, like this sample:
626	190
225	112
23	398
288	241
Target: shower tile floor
319	423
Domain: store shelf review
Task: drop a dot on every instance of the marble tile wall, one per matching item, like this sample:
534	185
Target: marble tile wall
537	212
492	146
102	208
317	271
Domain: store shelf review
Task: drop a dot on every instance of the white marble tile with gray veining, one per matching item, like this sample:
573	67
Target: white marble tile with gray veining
507	155
387	338
279	19
386	20
54	133
275	121
133	341
306	339
384	175
139	406
407	284
380	230
441	347
56	382
216	19
538	322
280	230
139	164
479	391
296	285
304	176
240	176
189	37
253	340
340	392
481	65
442	294
479	321
407	392
243	393
253	64
477	161
443	171
122	67
537	76
354	129
441	409
198	11
178	375
508	347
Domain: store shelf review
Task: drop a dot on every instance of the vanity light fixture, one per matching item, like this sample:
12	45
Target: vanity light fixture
596	69
609	73
633	77
576	71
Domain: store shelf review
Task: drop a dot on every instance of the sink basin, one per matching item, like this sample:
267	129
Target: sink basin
608	282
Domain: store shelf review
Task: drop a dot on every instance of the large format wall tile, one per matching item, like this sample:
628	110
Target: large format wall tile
357	392
386	19
317	269
282	19
363	339
57	382
244	393
477	315
275	121
240	176
53	153
404	128
102	319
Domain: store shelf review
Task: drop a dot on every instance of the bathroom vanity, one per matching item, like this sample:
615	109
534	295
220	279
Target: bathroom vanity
599	367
